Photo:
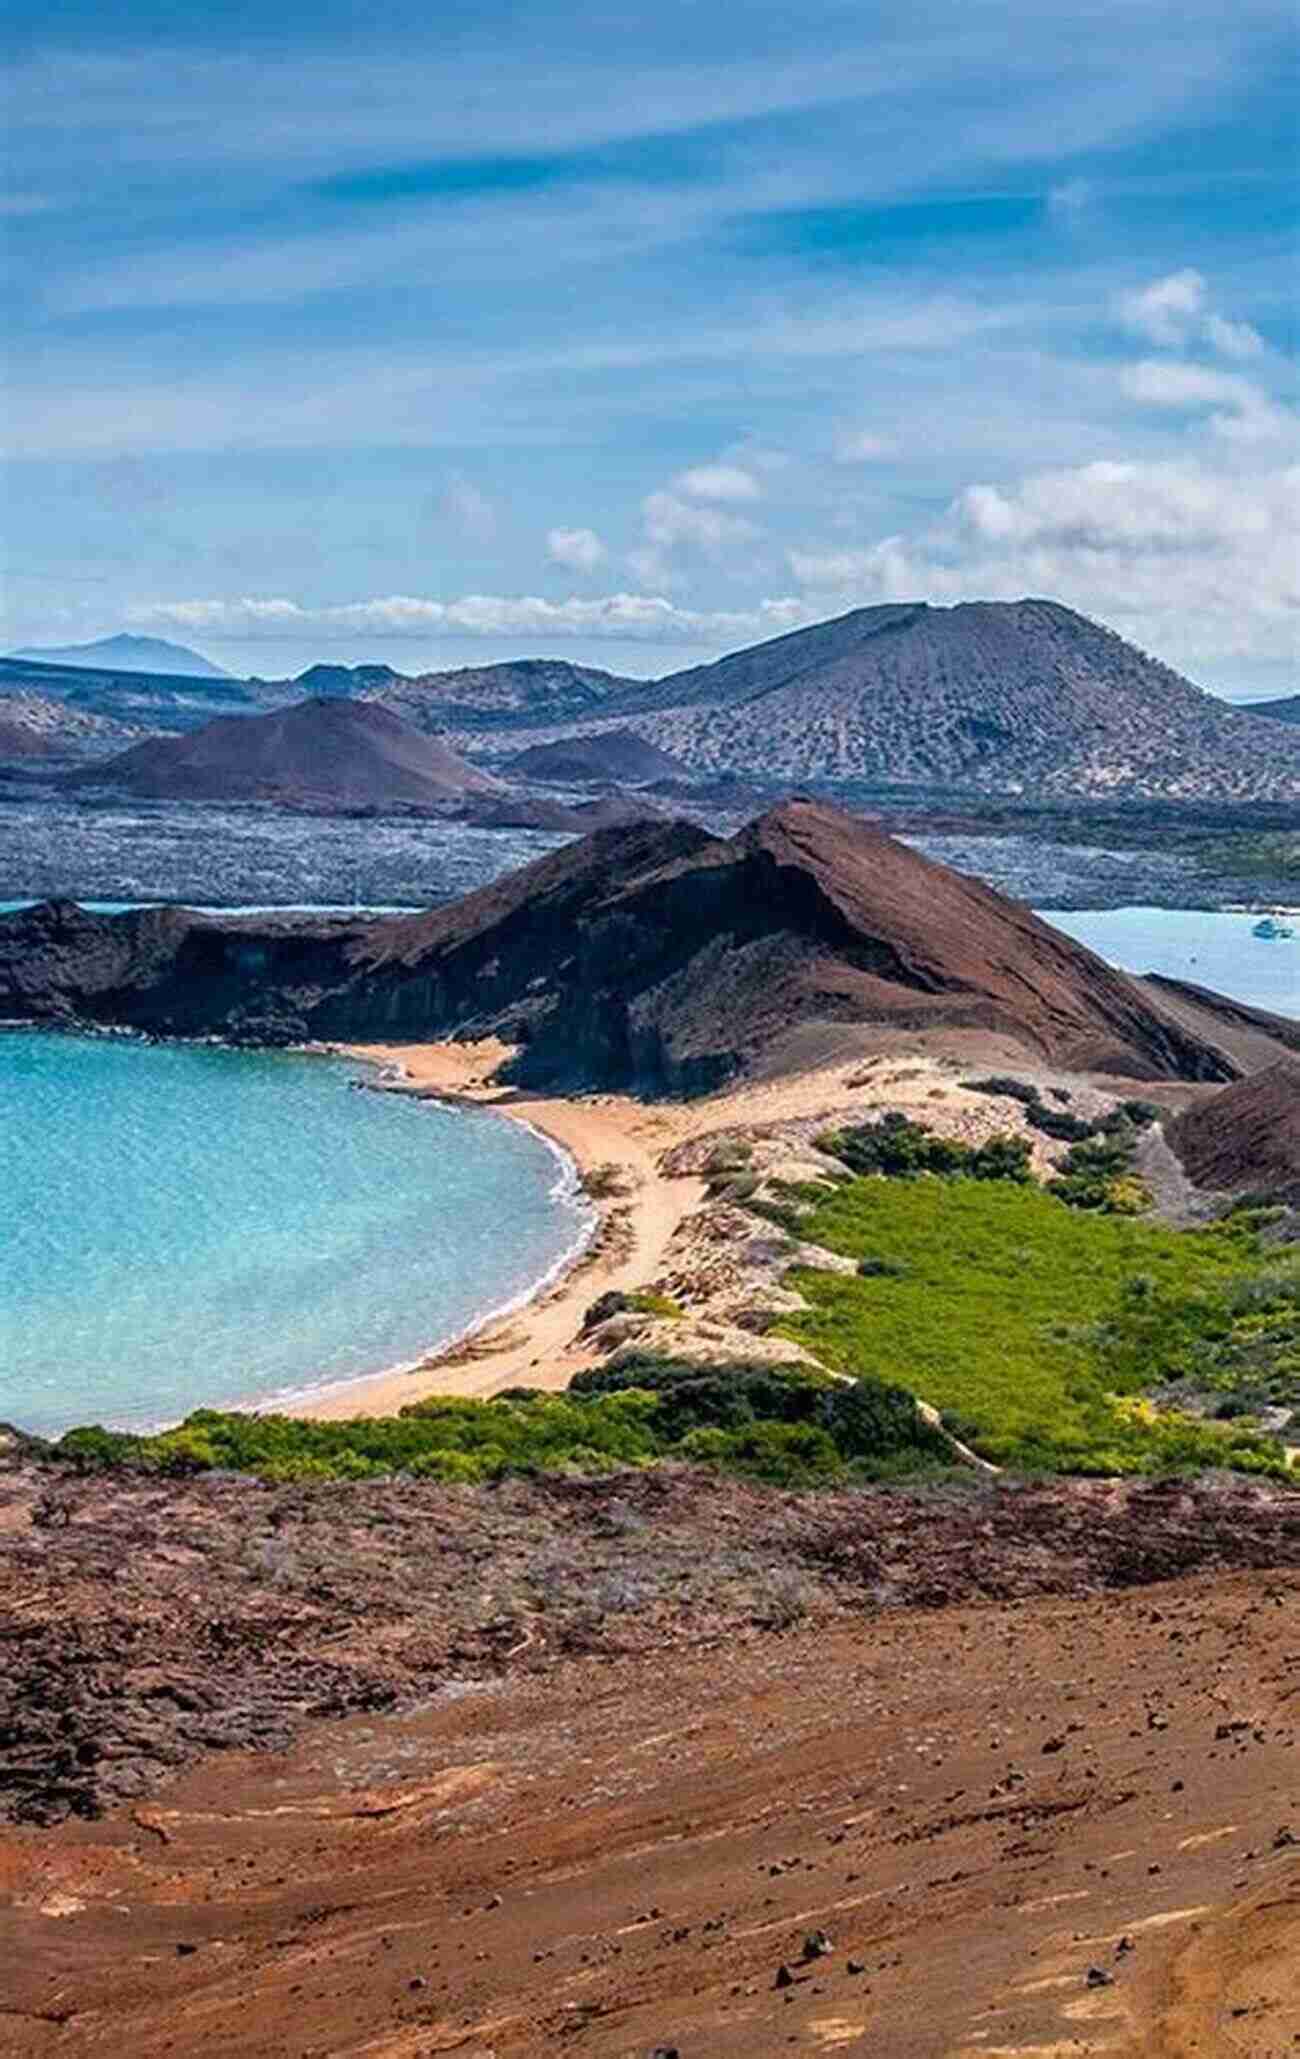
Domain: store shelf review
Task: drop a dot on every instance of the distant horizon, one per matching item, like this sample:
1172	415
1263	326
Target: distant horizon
250	660
640	338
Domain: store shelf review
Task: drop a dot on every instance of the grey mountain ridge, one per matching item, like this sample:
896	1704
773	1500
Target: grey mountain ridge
126	653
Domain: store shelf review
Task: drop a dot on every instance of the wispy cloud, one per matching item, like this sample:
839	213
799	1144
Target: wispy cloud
1236	406
619	617
493	292
1176	312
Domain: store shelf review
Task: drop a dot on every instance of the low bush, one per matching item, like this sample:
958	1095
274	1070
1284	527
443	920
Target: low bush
1032	1327
1056	1123
777	1423
641	1301
900	1149
1098	1173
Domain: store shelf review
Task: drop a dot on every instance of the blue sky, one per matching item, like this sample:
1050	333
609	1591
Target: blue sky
632	335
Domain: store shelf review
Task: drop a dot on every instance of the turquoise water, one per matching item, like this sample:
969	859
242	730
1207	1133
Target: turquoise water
182	1225
1212	949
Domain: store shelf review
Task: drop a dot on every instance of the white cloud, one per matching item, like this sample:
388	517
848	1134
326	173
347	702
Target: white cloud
1168	552
862	447
579	550
718	482
633	617
1175	312
1233	339
1165	311
1238	407
674	524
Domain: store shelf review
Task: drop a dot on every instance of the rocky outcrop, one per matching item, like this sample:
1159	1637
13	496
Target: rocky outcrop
655	957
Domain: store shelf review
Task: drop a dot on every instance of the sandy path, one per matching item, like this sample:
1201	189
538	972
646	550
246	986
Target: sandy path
539	1345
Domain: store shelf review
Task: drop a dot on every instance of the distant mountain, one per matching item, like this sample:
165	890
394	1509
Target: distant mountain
654	957
130	654
609	754
527	689
322	754
994	696
1287	709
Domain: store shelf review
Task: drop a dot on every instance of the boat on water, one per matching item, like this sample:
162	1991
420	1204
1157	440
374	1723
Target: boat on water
1271	928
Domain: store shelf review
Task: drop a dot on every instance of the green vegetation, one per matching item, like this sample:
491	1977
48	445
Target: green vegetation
901	1149
785	1425
1129	1117
1098	1174
1023	1322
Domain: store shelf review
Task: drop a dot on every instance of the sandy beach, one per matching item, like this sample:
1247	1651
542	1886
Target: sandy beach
538	1345
619	1144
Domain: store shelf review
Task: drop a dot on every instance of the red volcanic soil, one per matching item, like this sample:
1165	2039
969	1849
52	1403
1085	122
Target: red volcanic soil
1246	1137
327	751
650	1763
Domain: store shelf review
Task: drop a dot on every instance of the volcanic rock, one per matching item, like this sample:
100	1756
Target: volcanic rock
996	696
654	957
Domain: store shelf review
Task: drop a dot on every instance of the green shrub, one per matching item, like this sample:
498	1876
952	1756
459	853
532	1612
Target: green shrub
1023	1321
1098	1174
900	1149
633	1413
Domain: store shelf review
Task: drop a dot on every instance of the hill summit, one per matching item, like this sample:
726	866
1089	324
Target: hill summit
325	752
995	696
654	957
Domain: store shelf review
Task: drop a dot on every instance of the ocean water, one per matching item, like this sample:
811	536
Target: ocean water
1211	949
182	1226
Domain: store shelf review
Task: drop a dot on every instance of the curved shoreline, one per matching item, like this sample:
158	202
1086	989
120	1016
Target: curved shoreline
630	1232
310	1398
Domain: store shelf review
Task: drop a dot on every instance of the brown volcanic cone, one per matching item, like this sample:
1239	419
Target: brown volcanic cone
653	956
325	752
1247	1137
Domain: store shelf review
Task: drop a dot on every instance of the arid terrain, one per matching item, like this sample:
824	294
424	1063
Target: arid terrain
619	1768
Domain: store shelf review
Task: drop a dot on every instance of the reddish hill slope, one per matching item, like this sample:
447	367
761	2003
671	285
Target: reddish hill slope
1248	1137
653	956
325	752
